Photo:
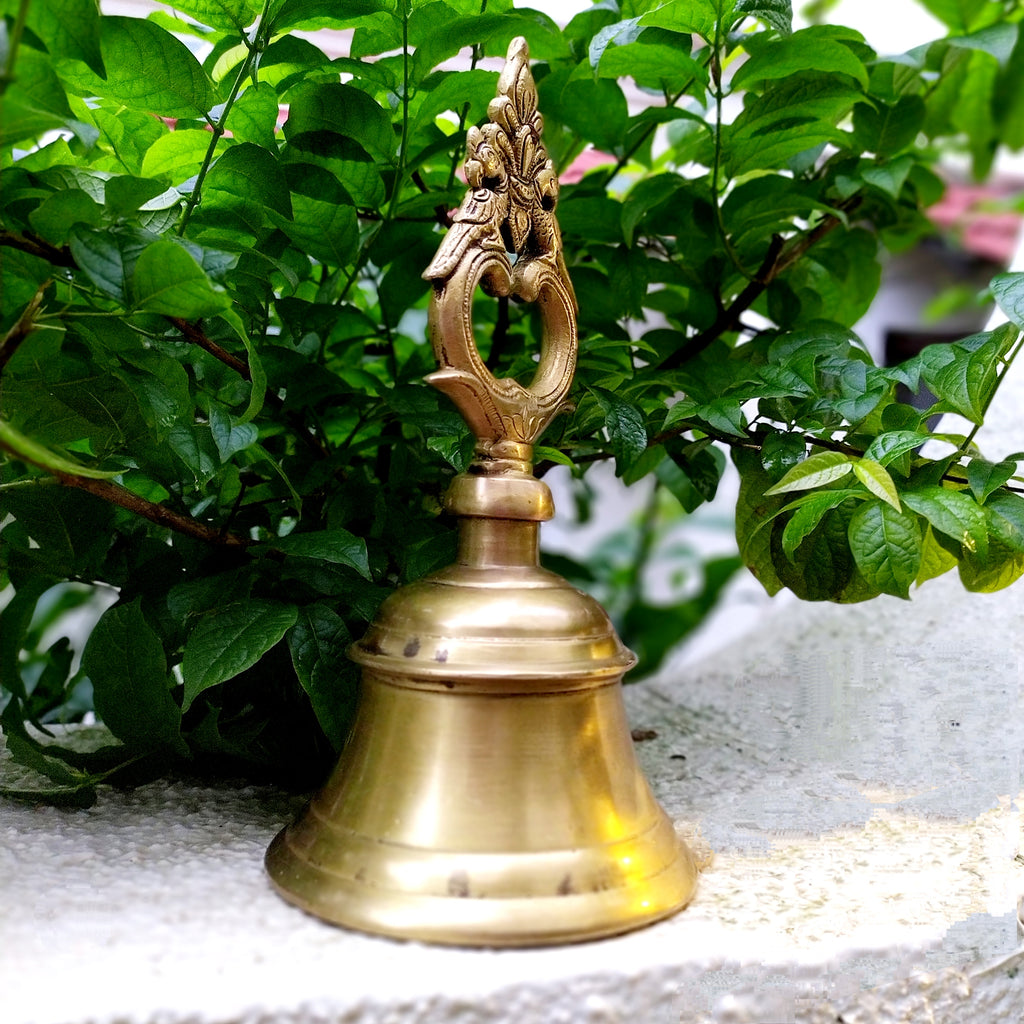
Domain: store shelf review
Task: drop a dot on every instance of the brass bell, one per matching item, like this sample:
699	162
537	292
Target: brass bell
489	793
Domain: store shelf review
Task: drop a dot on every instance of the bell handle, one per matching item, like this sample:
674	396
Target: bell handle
498	409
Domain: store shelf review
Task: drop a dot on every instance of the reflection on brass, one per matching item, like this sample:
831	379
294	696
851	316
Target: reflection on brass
489	793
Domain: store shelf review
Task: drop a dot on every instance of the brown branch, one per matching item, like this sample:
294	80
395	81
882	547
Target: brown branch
779	258
59	256
118	495
159	514
195	334
23	327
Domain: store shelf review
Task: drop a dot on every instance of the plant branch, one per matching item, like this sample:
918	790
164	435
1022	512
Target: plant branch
752	442
58	256
255	48
23	327
404	147
159	514
778	259
195	334
7	75
716	78
118	495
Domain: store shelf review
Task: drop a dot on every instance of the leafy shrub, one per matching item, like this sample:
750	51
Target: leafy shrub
213	324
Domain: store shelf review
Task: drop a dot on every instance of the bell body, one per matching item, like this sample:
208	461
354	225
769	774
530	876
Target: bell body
489	794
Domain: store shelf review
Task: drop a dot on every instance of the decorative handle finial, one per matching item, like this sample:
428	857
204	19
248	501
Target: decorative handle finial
505	238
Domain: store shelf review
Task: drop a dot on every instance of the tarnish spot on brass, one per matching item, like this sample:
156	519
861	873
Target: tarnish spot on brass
441	656
458	884
565	886
412	648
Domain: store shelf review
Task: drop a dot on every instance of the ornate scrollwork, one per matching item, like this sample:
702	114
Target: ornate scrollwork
505	238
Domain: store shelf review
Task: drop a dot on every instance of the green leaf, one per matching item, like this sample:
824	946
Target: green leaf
127	133
543	453
35	102
131	685
886	128
70	29
200	458
648	64
257	375
752	510
793	115
822	568
597	110
724	415
125	195
968	382
959	15
935	559
629	274
251	173
344	110
312	14
147	69
625	425
815	471
985	477
55	216
886	546
874	477
337	546
108	258
318	642
168	280
700	16
1001	566
229	435
254	116
225	14
456	91
1008	291
810	49
777	13
807	517
891	444
228	641
646	195
323	222
1005	512
692	472
15	619
177	156
76	788
952	513
781	453
889	177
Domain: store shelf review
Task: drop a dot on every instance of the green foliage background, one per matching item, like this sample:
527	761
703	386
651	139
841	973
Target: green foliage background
213	324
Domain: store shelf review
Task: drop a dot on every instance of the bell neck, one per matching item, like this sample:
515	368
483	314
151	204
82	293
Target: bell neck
500	505
498	543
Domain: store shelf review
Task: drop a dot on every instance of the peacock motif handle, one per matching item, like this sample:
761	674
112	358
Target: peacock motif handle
505	238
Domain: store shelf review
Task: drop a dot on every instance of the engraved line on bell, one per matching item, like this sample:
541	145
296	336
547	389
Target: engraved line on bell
505	238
